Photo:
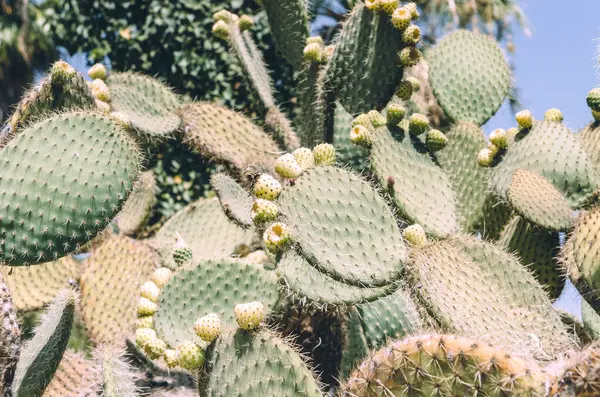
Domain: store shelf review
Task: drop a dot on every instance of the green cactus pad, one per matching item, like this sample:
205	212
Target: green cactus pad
76	376
338	222
591	319
421	190
288	21
34	287
584	247
10	343
470	181
110	287
138	207
550	150
41	355
364	69
589	138
355	343
211	287
306	281
205	228
227	137
63	180
538	201
305	121
243	364
475	288
537	249
469	76
347	153
149	105
235	200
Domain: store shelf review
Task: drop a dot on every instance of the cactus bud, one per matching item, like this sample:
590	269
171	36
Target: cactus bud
245	22
171	358
155	348
98	71
324	154
553	115
264	211
436	140
405	90
221	30
62	71
266	187
415	235
418	124
499	138
373	5
287	167
249	316
144	322
223	15
276	236
102	106
360	135
314	52
389	6
593	99
485	157
191	356
150	291
146	307
304	157
409	56
100	90
416	84
395	113
411	35
414	11
143	336
524	119
208	328
182	253
161	276
401	18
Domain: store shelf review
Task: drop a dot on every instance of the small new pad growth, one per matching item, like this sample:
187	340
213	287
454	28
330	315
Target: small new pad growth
208	328
266	187
98	71
304	157
415	235
287	167
276	237
324	154
191	356
182	253
436	140
264	211
249	316
161	276
553	115
524	119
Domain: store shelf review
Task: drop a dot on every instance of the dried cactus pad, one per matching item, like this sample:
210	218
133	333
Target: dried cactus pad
469	76
147	103
259	364
339	223
211	287
76	376
62	180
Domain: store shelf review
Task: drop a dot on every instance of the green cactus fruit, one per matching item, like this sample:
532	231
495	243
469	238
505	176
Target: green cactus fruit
41	355
314	52
581	375
414	11
287	167
371	119
221	30
225	283
34	287
138	207
10	343
591	319
161	276
251	364
143	336
249	316
149	105
503	301
401	18
304	157
436	140
418	124
499	138
234	199
289	23
100	90
593	99
80	167
324	154
227	137
245	22
225	16
415	235
264	211
485	157
409	56
266	187
405	90
411	35
208	327
394	114
326	199
553	115
171	358
415	365
146	307
155	348
276	237
361	136
110	288
207	230
76	376
388	6
524	119
144	322
191	356
373	5
469	76
98	71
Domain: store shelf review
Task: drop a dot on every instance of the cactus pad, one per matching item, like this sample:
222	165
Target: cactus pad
138	207
227	137
210	287
338	222
76	376
469	76
110	287
205	228
253	364
10	343
590	141
62	181
288	21
148	104
420	189
347	153
584	247
591	319
235	201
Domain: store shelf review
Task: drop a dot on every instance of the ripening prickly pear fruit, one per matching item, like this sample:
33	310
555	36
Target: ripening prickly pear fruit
553	115
171	358
98	71
276	236
155	348
361	136
144	322
208	328
150	290
146	307
418	124
404	90
414	11
394	114
191	356
143	336
221	30
287	167
245	22
401	18
314	52
161	276
249	316
266	187
499	138
182	253
415	235
409	56
100	90
263	211
436	140
485	157
411	35
224	16
324	154
304	157
315	39
102	106
373	5
593	99
389	6
524	119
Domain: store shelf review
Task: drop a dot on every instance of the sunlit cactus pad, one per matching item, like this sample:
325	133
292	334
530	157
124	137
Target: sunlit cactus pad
234	199
62	181
138	207
76	376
